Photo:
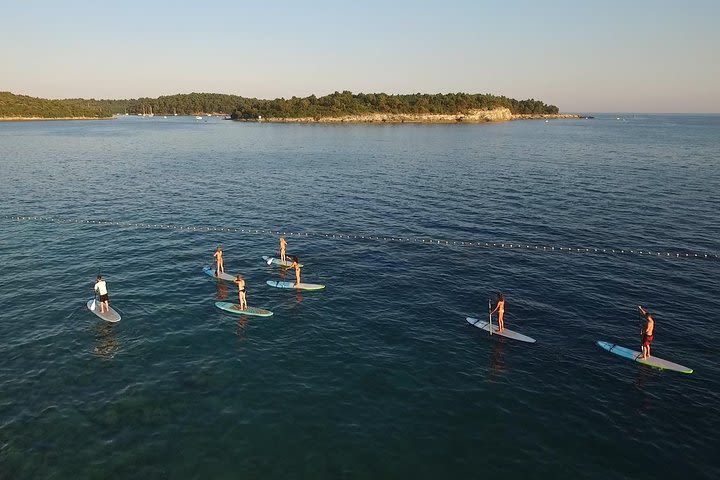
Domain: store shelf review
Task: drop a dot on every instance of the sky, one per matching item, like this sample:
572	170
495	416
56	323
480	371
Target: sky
583	56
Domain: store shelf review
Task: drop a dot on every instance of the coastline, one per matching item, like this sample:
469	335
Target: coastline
473	116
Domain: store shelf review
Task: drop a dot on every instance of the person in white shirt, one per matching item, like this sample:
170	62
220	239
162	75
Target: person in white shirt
101	289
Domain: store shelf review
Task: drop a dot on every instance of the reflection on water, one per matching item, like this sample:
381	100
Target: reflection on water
106	342
240	329
222	291
497	358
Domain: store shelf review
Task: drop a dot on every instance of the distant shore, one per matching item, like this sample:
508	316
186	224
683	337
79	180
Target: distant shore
473	116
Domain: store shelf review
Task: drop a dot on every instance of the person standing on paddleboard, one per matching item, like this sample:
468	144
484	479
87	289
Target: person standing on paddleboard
101	289
219	263
283	246
240	282
647	332
500	309
296	266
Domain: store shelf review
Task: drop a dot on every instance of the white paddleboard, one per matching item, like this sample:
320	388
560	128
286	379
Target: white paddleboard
110	316
484	325
637	357
301	286
276	261
223	275
235	308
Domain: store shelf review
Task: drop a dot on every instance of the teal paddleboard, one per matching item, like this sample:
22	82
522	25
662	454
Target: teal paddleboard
208	270
302	286
277	261
235	308
637	357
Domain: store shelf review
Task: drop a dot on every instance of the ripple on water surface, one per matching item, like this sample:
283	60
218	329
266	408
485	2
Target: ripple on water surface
379	374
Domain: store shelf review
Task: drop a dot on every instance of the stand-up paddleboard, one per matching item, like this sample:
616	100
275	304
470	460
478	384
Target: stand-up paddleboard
637	357
110	316
223	275
301	286
488	327
277	261
235	308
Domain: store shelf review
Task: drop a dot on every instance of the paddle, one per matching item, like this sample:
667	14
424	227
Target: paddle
269	260
92	307
490	314
641	318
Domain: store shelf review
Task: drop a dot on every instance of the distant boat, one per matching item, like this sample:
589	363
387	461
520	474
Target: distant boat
198	118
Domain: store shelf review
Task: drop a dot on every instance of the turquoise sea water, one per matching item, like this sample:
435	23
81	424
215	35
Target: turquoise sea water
379	375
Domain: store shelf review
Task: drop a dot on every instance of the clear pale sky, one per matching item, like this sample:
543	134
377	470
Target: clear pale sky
594	56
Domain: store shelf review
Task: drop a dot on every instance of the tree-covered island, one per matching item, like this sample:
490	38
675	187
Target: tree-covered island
338	106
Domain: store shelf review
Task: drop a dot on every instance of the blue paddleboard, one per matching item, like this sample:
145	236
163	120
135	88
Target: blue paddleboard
301	286
637	357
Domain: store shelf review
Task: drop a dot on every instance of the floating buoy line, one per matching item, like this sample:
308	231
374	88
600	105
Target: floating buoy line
403	239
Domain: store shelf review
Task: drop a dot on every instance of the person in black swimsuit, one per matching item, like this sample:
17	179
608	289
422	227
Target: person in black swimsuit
240	282
295	265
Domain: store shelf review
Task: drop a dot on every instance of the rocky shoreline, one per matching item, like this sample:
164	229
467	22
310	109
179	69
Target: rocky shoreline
473	116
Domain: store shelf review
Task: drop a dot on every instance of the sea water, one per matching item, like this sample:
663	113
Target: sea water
379	375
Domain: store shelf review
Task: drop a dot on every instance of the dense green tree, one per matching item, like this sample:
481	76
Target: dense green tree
24	106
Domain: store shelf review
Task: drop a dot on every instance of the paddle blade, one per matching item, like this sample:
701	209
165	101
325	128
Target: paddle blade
92	307
269	261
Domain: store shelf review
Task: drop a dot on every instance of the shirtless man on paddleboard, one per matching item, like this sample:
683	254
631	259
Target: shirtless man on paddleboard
647	332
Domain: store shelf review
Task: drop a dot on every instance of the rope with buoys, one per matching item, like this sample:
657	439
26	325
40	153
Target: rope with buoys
388	238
